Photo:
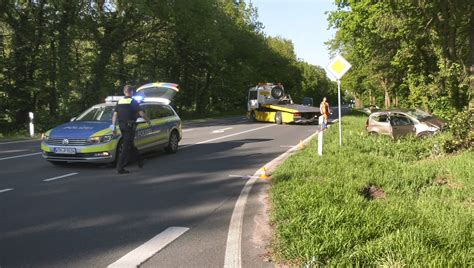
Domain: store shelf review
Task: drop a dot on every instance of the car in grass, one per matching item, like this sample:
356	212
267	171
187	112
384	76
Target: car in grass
88	138
399	123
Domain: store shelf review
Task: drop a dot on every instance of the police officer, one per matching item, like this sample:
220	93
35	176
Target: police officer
126	113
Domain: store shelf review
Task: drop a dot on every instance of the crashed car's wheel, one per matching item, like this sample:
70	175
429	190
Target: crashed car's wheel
173	143
278	118
277	92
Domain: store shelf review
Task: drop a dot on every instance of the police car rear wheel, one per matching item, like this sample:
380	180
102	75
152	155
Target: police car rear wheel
173	143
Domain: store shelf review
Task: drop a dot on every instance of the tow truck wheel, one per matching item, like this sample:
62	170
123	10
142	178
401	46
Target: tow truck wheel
278	118
253	116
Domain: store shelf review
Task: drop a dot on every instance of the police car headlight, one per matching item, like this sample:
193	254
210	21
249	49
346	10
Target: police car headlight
44	137
99	139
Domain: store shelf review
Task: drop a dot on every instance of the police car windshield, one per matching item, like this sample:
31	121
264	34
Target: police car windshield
103	113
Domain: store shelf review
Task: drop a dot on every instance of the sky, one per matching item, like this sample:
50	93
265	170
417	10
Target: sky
303	22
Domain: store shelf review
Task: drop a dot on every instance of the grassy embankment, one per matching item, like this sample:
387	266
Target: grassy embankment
374	202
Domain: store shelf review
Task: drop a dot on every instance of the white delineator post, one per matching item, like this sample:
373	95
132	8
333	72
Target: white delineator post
32	126
339	109
320	136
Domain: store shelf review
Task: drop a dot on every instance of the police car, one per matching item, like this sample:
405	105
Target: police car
88	138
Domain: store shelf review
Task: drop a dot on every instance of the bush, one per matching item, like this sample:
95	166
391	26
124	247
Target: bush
462	129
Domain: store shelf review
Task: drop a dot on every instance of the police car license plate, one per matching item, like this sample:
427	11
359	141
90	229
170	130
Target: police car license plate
61	150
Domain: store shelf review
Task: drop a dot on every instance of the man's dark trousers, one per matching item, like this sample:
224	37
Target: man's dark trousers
129	151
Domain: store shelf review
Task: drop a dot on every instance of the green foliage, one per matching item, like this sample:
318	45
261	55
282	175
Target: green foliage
59	57
419	215
462	127
417	52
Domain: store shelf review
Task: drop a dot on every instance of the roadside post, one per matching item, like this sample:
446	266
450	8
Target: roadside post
338	67
32	126
320	136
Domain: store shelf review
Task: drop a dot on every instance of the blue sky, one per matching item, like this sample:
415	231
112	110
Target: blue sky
303	22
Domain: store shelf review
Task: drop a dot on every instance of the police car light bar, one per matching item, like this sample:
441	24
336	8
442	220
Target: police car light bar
113	98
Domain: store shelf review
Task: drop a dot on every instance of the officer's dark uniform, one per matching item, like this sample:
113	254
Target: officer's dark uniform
127	113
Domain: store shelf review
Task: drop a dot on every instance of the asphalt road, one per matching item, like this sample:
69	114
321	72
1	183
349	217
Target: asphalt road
85	215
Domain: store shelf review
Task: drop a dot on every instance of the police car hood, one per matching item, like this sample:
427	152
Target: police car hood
78	129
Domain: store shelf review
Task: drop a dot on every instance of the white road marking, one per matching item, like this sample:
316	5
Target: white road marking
60	177
18	156
189	130
11	142
6	190
12	151
221	130
144	252
233	251
287	146
231	135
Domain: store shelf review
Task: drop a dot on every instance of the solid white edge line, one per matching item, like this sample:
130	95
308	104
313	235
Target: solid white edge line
60	177
144	252
188	130
6	190
11	142
18	156
233	251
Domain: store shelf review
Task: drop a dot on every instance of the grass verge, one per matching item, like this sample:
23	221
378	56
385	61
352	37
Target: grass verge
374	202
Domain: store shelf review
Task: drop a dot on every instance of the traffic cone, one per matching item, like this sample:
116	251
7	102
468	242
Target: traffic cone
263	173
301	145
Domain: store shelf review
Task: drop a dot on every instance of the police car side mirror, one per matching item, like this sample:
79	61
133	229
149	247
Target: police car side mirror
140	120
73	119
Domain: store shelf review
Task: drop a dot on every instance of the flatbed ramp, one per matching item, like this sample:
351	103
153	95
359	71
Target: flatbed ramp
294	108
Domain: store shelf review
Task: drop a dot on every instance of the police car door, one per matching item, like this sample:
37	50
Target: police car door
146	136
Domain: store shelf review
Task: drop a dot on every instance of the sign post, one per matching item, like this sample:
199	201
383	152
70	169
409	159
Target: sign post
338	67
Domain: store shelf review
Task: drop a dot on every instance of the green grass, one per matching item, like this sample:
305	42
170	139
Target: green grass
321	216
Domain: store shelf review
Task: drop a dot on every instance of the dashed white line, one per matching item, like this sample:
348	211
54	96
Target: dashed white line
221	130
144	252
189	130
6	190
18	156
60	177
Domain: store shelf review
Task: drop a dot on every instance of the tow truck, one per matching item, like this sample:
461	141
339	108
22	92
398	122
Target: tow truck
267	102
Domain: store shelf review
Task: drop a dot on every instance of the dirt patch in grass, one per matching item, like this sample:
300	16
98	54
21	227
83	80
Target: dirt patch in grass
445	181
372	192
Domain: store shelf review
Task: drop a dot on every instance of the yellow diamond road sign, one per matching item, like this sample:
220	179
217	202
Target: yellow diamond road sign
338	66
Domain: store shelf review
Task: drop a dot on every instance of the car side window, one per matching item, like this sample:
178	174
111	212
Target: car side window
150	111
381	118
400	120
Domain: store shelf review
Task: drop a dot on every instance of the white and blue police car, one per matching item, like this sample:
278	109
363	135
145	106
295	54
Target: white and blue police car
88	138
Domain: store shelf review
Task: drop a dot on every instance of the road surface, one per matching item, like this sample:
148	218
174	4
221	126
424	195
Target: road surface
175	212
